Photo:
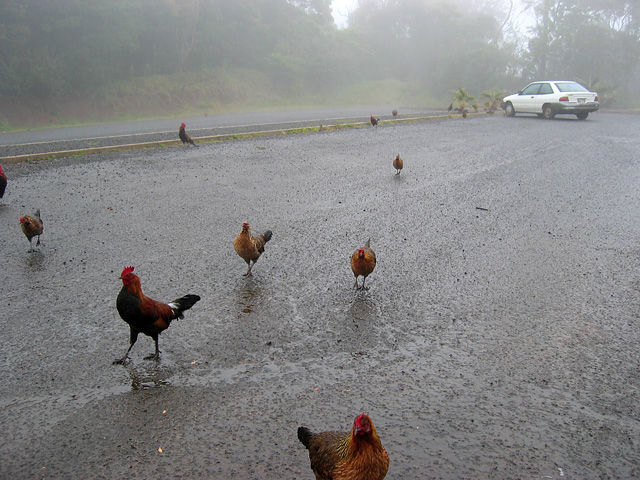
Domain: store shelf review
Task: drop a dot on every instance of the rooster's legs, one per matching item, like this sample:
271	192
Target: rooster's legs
132	340
155	356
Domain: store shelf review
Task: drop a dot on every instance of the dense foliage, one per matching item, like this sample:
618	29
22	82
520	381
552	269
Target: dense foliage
57	48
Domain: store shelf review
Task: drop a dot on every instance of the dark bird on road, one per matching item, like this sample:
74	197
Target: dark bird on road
394	113
3	182
374	121
184	136
450	107
145	315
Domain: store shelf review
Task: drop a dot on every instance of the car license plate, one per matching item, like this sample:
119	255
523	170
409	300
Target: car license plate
581	100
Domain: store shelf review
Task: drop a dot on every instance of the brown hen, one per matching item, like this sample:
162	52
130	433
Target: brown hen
356	455
32	226
363	261
249	247
398	164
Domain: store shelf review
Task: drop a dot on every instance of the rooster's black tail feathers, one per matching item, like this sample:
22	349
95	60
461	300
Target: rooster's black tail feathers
182	304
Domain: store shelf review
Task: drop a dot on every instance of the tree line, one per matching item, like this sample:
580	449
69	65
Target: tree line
57	48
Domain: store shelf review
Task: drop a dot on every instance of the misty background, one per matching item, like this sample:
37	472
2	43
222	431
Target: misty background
67	61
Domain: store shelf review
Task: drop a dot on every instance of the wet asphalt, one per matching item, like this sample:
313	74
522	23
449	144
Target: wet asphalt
498	338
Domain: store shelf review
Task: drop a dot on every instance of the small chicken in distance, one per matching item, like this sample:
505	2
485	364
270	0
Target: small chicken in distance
374	121
450	107
354	455
398	164
363	261
249	247
464	113
32	226
146	315
184	136
3	182
394	113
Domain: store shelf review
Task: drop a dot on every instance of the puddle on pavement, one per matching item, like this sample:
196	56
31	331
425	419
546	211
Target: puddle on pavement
248	296
152	375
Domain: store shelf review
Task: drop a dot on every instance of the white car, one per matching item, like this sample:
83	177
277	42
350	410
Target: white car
552	97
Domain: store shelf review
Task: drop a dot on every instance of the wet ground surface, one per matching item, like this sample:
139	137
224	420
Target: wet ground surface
159	130
498	338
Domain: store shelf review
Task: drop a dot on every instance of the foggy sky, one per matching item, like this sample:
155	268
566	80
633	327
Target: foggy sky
340	10
522	20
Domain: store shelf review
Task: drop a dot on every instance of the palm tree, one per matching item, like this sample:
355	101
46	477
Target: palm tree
462	97
494	98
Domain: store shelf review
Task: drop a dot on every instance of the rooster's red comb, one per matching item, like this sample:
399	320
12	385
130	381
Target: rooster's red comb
362	422
126	271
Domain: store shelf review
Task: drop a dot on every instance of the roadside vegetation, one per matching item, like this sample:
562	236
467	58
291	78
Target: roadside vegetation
72	61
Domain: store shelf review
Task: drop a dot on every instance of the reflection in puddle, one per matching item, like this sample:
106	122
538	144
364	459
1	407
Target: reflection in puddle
249	295
35	261
154	377
138	384
364	308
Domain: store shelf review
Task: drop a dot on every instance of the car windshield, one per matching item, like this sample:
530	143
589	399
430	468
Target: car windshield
570	87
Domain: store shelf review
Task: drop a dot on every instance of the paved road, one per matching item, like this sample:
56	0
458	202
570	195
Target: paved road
89	136
498	338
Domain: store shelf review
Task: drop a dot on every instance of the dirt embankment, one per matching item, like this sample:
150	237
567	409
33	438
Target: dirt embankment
33	112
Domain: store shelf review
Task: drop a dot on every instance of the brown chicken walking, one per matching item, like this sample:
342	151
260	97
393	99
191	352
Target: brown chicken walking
363	261
32	226
249	247
356	455
398	164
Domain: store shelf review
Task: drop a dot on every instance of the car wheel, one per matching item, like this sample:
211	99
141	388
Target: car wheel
547	112
582	115
509	110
